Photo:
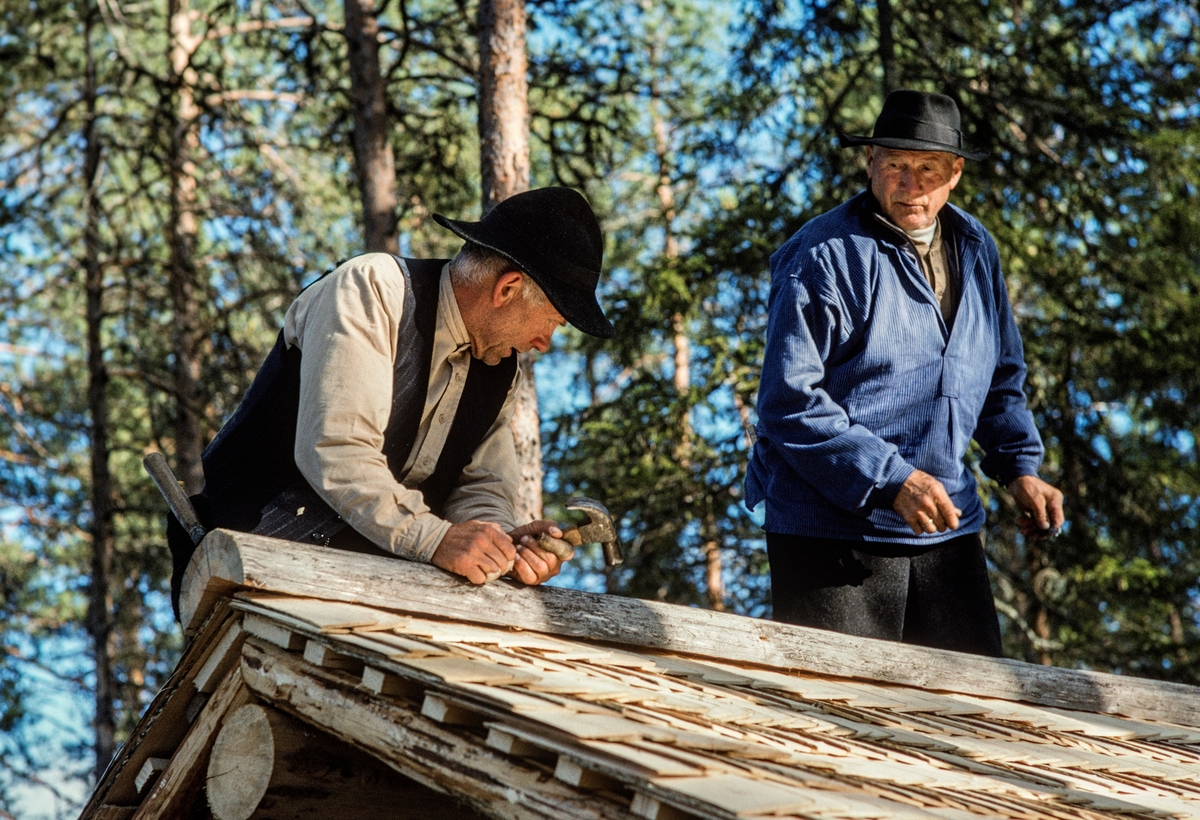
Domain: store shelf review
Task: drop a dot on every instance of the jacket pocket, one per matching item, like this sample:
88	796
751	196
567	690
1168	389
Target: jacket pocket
944	449
952	377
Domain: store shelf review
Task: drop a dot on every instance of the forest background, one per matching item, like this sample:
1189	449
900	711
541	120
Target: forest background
172	173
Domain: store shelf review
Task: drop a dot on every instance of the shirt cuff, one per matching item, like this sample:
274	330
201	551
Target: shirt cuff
420	538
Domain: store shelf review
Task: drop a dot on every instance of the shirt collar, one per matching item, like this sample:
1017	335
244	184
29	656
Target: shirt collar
450	324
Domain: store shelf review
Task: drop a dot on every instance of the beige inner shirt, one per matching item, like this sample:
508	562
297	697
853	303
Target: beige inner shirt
932	253
346	326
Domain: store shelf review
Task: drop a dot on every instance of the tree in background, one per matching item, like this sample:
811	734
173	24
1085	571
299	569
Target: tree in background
503	108
222	149
196	178
99	615
374	161
143	179
623	107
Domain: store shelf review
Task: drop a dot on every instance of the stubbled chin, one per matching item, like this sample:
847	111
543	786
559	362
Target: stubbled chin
912	219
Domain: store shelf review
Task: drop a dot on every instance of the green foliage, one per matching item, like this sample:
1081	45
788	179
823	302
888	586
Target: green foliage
274	206
626	116
702	153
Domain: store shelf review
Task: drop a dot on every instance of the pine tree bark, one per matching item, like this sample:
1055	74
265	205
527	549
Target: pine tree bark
504	171
181	232
887	44
713	577
100	605
374	161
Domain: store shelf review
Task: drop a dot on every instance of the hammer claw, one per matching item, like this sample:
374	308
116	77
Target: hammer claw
600	528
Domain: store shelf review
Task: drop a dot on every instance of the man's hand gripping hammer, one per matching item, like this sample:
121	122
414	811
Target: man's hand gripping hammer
598	529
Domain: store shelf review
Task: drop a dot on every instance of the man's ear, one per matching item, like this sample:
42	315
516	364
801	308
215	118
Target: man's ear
956	170
507	287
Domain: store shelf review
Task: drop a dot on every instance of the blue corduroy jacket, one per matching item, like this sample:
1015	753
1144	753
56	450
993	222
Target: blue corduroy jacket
862	383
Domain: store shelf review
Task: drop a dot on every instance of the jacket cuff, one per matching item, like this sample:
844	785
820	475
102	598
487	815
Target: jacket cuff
884	494
420	539
1027	465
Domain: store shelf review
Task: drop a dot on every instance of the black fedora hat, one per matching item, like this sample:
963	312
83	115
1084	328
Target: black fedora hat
552	235
917	121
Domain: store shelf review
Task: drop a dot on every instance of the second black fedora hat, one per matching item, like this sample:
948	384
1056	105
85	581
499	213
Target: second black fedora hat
552	235
917	121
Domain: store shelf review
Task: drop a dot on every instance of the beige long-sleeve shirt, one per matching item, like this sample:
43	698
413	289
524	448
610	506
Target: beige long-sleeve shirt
346	327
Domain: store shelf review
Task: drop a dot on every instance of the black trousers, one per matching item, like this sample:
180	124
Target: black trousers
941	598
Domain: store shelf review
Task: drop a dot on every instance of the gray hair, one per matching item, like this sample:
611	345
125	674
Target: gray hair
475	264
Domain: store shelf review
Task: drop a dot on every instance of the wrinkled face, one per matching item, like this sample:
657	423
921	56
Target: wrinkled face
512	324
912	186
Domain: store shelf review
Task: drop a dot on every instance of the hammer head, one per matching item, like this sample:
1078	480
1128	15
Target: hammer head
600	528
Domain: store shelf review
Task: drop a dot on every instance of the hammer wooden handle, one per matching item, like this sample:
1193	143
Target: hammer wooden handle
563	547
177	500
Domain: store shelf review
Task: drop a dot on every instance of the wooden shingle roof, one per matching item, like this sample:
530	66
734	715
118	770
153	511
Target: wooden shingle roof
550	703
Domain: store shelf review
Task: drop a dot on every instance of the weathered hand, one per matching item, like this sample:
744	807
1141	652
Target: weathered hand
535	565
1042	504
533	529
925	505
478	550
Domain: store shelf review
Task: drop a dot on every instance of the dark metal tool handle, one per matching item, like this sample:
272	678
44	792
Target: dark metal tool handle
613	556
177	499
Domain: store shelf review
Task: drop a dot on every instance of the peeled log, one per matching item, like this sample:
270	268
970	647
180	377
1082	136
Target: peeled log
269	766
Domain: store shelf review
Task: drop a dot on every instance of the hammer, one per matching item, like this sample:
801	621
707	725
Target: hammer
599	528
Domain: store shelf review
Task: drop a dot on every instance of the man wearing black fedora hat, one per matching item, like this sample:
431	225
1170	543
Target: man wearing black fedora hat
379	421
891	345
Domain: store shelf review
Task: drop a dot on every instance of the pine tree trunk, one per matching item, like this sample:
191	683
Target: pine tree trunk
887	44
374	161
181	235
504	171
99	617
713	579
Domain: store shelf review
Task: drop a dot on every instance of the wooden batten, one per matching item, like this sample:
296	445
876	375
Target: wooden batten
273	632
573	774
443	756
227	560
324	656
222	658
652	809
505	741
151	769
385	683
442	710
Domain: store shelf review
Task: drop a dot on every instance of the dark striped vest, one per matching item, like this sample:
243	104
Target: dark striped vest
252	483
